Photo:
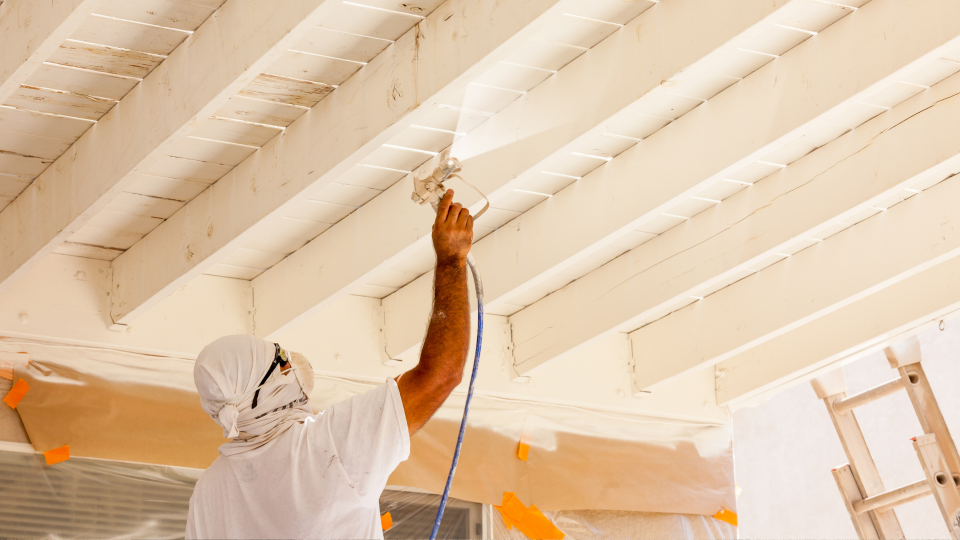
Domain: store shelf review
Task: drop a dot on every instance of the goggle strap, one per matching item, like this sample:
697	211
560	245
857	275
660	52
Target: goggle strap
277	360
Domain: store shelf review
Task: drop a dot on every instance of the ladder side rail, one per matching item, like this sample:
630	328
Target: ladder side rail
905	356
850	492
941	481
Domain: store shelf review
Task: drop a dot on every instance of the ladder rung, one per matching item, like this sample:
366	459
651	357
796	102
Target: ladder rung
909	499
893	497
877	392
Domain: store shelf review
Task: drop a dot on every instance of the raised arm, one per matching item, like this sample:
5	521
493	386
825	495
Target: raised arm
424	388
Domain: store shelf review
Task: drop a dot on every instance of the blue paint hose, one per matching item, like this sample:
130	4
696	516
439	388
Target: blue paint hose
478	285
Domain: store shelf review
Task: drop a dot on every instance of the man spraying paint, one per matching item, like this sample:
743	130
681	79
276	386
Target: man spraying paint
288	473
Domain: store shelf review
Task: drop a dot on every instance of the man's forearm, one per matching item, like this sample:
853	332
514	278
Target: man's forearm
448	334
424	388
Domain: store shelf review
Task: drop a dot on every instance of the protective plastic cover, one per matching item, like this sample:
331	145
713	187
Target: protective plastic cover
115	405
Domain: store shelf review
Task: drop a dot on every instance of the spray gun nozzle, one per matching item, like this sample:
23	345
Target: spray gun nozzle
428	181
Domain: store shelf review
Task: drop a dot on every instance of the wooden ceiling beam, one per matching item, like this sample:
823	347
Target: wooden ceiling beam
872	255
842	66
30	32
395	90
918	303
656	45
226	52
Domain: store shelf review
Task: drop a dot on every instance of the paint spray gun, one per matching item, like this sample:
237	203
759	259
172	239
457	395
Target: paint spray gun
428	181
428	188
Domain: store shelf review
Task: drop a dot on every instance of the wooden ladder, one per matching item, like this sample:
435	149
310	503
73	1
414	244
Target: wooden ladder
870	505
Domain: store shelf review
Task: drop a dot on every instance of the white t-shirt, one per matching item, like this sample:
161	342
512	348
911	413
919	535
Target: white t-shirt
320	479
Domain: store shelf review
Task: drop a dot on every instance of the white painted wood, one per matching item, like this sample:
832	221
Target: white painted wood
166	13
193	82
868	325
552	112
81	81
66	300
261	112
31	31
870	256
904	353
32	123
110	60
622	196
320	146
129	35
59	102
780	214
829	384
284	90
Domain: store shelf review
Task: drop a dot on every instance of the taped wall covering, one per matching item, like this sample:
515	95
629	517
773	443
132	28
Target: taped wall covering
115	405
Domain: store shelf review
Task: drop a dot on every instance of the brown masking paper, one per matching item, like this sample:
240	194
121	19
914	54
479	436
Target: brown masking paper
113	405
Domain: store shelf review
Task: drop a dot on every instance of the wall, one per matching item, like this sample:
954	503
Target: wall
784	449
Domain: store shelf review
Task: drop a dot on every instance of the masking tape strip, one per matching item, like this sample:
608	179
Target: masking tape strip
727	517
57	455
16	393
523	450
386	521
530	521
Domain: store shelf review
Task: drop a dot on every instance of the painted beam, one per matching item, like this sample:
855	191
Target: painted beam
64	300
232	47
868	325
661	43
30	31
770	108
917	234
804	201
393	91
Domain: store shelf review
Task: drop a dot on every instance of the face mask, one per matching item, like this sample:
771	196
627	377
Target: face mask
302	370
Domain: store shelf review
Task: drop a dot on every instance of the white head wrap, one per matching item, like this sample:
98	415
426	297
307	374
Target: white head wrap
228	373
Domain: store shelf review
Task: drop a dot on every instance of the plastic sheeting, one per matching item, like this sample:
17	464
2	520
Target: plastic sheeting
114	405
87	498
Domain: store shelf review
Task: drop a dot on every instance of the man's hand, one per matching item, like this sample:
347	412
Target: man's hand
452	231
424	388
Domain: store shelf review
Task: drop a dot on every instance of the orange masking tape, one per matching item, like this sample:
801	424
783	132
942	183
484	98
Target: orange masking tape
536	525
386	521
512	506
523	451
507	520
16	393
57	454
727	517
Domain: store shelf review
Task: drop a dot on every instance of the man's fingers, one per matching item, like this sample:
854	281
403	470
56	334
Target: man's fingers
454	213
470	223
444	207
464	217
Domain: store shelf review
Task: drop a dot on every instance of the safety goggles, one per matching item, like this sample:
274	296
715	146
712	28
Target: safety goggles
279	359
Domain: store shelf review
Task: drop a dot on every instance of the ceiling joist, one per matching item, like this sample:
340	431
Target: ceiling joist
30	32
224	54
878	252
815	81
630	63
393	91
